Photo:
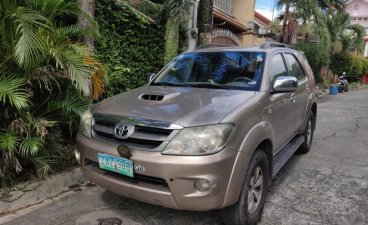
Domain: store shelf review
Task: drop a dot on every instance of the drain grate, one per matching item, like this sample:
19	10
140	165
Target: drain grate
110	221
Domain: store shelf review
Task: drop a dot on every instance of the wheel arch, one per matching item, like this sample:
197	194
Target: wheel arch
240	168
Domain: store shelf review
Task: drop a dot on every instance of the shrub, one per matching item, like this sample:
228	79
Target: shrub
356	67
364	65
43	73
317	56
341	62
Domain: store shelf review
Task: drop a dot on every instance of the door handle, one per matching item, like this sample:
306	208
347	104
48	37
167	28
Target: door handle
292	98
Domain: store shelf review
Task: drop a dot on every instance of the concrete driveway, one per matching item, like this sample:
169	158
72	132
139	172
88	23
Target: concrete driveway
329	185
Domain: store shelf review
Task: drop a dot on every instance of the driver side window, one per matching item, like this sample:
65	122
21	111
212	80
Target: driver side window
277	68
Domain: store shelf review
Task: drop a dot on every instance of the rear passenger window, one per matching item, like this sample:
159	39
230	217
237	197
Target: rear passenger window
294	67
278	68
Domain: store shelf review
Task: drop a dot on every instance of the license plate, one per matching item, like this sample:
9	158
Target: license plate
115	164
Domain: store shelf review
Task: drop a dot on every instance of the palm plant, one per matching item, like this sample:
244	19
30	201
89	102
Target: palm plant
174	13
39	52
308	11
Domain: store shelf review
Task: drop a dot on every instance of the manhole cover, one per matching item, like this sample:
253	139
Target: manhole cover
110	216
109	221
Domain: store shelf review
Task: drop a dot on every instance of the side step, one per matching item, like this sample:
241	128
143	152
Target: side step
284	155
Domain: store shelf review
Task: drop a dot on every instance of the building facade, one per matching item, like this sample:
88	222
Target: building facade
358	11
235	23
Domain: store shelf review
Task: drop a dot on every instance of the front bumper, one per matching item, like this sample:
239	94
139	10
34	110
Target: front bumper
173	176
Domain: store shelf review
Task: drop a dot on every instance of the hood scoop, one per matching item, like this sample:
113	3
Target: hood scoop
158	97
152	97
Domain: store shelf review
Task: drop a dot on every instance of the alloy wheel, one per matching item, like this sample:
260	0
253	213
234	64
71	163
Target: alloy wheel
255	190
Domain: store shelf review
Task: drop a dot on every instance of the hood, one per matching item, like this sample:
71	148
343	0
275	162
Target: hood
185	106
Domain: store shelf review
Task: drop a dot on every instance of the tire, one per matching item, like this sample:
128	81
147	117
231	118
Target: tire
346	88
245	212
308	135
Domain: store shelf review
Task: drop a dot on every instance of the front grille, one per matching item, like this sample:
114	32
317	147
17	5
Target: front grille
137	177
130	142
143	138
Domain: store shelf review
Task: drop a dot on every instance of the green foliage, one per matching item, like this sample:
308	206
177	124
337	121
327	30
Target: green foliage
357	38
74	105
356	67
129	46
150	9
364	65
44	78
171	40
177	10
341	62
12	91
317	56
8	143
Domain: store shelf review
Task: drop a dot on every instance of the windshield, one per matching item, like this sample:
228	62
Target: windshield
222	70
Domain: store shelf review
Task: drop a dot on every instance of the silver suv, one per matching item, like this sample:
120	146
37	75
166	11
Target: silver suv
209	131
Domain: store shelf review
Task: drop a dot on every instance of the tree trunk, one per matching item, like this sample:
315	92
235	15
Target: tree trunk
205	20
284	37
171	40
88	6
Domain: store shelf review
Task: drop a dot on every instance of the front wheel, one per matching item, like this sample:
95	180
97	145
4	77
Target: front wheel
248	209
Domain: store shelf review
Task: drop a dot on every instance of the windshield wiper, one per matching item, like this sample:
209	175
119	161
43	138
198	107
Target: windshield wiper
208	85
170	84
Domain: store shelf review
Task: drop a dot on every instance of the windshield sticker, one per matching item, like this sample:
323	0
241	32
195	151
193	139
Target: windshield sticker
259	57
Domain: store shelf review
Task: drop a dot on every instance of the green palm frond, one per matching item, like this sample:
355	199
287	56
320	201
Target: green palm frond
12	91
31	145
178	9
70	104
51	8
73	30
74	66
43	165
31	44
9	143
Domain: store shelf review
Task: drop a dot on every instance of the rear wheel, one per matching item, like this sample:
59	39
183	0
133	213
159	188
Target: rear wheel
346	88
248	209
308	135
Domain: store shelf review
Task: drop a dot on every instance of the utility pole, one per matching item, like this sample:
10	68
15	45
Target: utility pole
192	25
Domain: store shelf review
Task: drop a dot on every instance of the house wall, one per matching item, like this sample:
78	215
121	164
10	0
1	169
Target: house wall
357	8
244	10
358	11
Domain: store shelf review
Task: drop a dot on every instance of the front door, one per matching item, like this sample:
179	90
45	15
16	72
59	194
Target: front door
281	108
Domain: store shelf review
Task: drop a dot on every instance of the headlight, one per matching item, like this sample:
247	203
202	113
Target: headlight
86	123
201	140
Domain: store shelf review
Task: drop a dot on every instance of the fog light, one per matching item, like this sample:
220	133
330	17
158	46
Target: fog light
202	185
77	155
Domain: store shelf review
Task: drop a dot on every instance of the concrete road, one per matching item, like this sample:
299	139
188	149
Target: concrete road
327	186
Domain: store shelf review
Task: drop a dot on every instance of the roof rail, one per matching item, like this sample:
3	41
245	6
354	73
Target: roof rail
274	45
214	46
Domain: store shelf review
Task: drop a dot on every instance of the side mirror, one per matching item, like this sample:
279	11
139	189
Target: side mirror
285	84
151	76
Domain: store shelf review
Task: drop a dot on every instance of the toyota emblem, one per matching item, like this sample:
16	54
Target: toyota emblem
123	131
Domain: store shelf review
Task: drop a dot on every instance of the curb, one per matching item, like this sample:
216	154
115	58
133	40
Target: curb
31	193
